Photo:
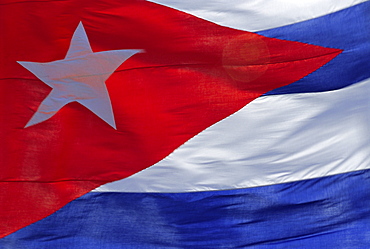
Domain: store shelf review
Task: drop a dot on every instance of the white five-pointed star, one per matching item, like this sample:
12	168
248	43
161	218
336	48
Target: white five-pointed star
80	77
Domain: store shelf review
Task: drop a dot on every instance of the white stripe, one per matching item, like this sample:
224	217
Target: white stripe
255	15
274	139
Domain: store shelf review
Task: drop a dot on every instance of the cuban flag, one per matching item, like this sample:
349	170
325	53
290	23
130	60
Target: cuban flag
185	124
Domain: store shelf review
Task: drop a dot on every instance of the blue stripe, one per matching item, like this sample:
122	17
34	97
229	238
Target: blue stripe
348	30
330	212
